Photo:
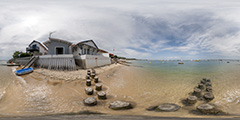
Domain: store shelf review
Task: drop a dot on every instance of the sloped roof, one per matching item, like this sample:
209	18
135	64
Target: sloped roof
86	41
102	51
59	40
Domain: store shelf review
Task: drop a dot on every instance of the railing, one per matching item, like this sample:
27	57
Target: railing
32	48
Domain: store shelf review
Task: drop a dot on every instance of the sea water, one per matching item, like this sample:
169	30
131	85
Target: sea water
178	80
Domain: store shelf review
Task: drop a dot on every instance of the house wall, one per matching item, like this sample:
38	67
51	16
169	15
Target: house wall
83	51
91	61
41	49
54	44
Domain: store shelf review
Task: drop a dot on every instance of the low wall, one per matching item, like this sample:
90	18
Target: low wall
56	62
22	61
91	61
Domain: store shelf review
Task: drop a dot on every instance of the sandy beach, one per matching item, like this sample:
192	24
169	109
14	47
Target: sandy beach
46	92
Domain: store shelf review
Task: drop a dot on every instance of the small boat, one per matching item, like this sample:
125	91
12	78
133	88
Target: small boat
180	62
12	64
24	71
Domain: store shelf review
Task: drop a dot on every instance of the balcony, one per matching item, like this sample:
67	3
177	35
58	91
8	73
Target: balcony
32	48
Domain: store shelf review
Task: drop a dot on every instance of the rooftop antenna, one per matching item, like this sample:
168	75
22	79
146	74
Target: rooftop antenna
50	34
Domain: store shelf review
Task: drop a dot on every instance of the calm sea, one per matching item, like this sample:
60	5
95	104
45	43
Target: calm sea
174	77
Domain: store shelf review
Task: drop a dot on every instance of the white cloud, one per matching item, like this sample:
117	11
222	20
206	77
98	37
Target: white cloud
134	28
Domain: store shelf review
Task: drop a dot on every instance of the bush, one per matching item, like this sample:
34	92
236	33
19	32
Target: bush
18	54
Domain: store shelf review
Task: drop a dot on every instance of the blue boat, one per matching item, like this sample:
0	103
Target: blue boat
24	71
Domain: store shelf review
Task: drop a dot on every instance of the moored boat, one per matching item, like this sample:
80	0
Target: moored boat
12	64
180	62
24	71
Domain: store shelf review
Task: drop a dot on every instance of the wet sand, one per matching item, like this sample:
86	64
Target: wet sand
47	92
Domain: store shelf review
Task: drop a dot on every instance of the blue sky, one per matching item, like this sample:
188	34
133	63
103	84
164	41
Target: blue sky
152	29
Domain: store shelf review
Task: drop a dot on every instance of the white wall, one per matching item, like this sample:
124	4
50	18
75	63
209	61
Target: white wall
92	61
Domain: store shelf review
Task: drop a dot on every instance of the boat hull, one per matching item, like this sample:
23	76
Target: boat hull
24	71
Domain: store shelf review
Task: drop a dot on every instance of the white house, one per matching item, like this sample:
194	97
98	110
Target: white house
88	55
37	48
64	55
87	47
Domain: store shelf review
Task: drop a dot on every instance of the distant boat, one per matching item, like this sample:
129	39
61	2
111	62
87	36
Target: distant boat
180	62
24	71
196	60
228	62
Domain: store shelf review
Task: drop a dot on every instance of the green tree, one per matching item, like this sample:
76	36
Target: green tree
16	54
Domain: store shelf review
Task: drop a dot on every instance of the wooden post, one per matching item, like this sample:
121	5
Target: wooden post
98	87
191	99
89	73
89	91
93	75
101	95
197	91
87	77
200	86
96	79
88	82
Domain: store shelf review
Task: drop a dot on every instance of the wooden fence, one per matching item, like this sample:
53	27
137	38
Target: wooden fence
56	62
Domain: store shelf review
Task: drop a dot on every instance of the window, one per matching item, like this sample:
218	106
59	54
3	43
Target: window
59	50
84	51
88	51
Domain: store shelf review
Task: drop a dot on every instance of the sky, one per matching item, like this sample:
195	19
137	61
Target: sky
144	29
